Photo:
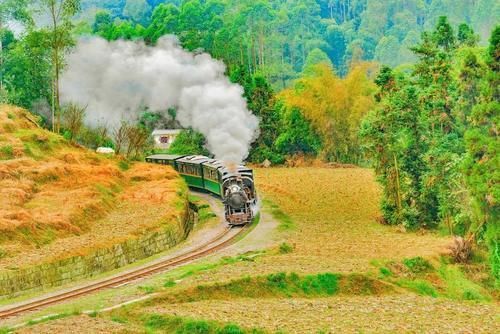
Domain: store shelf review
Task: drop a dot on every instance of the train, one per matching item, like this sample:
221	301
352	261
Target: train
234	185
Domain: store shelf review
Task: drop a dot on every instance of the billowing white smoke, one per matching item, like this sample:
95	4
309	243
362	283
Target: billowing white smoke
115	80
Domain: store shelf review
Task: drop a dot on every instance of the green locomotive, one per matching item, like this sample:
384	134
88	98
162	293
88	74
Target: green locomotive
234	185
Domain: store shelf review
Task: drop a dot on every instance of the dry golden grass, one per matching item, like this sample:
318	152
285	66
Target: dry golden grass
57	199
334	213
335	229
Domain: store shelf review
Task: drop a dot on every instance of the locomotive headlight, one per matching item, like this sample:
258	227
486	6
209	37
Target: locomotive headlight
235	189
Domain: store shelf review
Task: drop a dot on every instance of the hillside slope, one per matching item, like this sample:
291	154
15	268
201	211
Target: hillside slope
58	199
333	269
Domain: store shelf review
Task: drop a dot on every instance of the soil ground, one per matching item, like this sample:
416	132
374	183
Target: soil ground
328	219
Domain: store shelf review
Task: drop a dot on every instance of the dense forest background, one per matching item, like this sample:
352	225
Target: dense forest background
410	88
276	38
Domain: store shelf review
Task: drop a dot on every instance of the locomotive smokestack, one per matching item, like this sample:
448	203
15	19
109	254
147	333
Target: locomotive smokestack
117	80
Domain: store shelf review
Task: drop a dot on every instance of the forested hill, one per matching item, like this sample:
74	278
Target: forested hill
277	36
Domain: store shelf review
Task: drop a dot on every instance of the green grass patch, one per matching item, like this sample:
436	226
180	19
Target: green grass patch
6	152
459	287
169	324
385	272
285	248
119	319
93	314
418	265
10	115
42	142
147	289
418	275
170	283
278	285
273	285
124	165
51	318
419	286
194	269
5	330
285	222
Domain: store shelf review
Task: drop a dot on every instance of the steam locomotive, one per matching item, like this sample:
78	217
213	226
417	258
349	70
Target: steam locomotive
234	185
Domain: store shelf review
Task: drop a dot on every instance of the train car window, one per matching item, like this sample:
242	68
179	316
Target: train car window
189	169
210	174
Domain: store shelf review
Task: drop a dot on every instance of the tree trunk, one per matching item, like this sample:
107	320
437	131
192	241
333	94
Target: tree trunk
398	188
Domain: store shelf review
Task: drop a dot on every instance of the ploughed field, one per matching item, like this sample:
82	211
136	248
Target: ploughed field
333	268
59	200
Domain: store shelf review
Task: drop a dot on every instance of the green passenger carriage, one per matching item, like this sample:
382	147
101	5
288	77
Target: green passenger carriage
234	185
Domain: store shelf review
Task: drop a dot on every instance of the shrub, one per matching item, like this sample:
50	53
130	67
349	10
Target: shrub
417	265
123	165
385	272
285	248
277	280
147	289
322	283
195	327
118	319
189	142
421	287
6	152
230	329
461	250
156	321
169	284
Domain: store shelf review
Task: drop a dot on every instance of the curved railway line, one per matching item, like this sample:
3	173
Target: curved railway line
222	240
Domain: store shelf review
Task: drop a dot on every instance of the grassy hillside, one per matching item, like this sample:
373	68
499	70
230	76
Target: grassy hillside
58	199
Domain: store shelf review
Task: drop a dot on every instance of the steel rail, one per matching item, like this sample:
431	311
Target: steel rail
204	250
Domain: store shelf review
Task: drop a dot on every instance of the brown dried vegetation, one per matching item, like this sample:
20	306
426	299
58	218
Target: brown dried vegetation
56	197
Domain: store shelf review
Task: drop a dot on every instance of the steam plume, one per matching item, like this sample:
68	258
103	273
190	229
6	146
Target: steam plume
117	79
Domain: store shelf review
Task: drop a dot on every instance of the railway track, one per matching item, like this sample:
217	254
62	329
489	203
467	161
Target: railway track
222	240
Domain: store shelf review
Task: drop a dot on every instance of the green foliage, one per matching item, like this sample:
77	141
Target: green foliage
27	69
124	165
285	248
286	223
189	142
156	321
189	326
385	272
459	287
298	136
147	289
421	287
417	265
279	38
170	283
119	319
482	159
6	152
320	284
433	138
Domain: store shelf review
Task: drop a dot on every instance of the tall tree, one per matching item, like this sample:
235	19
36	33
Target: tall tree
483	156
11	10
60	26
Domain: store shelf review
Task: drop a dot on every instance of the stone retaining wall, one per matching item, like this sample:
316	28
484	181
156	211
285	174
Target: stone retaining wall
100	261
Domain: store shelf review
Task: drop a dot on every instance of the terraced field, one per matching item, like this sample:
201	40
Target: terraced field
59	200
328	266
